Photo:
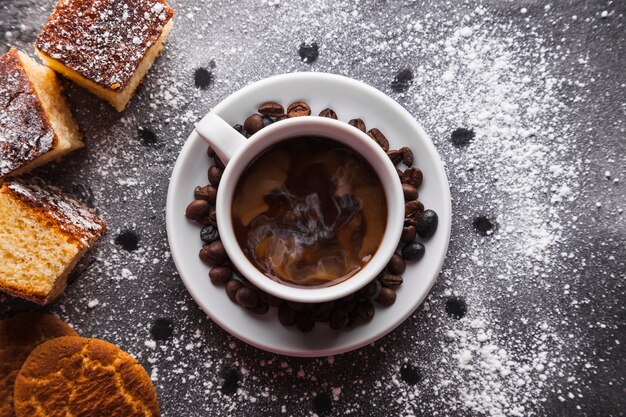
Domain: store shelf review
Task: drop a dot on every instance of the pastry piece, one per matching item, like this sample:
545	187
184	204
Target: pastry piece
19	335
36	125
43	234
105	46
74	376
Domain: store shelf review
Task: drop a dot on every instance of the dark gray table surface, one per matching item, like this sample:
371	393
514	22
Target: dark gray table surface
543	87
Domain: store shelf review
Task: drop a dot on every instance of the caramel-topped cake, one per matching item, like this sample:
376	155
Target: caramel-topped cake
43	234
36	124
106	46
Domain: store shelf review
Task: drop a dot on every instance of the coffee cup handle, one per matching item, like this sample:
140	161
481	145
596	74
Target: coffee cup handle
220	136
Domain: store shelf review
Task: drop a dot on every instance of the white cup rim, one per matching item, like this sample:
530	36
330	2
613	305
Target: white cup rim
343	133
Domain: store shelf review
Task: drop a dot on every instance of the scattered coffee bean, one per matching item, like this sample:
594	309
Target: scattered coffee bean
203	78
253	123
338	319
456	307
298	109
231	380
402	81
304	322
359	124
371	290
395	156
410	192
286	315
209	233
461	137
215	175
322	404
274	301
197	209
207	193
261	308
210	152
410	374
413	210
281	117
322	312
232	287
378	136
408	234
484	226
272	109
330	113
218	162
162	329
206	220
267	121
391	281
399	173
413	176
364	311
407	156
386	297
239	128
299	306
214	253
308	52
212	217
220	275
413	251
128	240
396	264
427	224
247	298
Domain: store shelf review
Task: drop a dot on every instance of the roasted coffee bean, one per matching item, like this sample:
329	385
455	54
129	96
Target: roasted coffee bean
378	136
286	315
410	192
261	308
209	233
370	291
304	322
281	117
413	176
220	275
427	224
298	109
364	312
239	128
274	301
413	210
207	193
395	156
197	210
247	298
210	152
391	281
330	113
407	156
413	251
232	287
408	234
253	123
249	285
272	109
300	306
386	297
338	319
267	121
322	312
207	220
213	216
359	124
396	264
218	162
215	175
214	253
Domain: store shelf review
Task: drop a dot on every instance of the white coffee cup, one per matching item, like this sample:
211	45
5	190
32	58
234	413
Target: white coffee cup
237	153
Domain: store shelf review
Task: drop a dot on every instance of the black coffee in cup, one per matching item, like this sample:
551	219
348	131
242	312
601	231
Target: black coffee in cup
309	211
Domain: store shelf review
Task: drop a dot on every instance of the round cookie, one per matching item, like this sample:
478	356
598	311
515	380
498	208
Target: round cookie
83	377
19	335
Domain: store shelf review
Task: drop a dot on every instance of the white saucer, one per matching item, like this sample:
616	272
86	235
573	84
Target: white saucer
350	99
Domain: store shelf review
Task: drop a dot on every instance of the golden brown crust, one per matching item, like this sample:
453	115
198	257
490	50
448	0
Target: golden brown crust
25	131
70	217
83	377
103	40
19	335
